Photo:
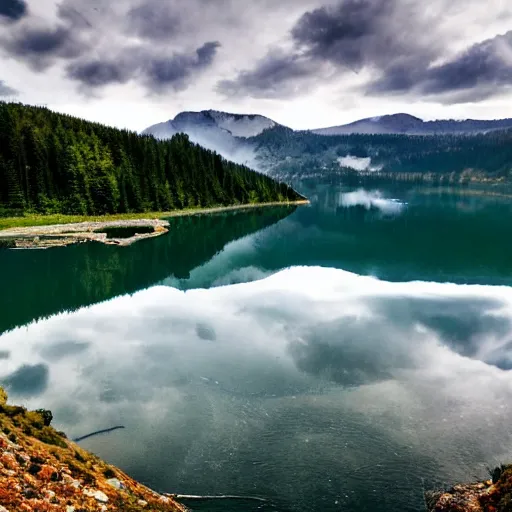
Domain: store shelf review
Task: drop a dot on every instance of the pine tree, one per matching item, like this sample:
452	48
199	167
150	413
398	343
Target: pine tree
53	163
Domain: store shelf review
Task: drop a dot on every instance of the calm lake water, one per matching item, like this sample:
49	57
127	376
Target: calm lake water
342	356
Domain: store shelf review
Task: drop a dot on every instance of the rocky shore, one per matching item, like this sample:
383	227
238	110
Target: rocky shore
42	471
43	237
493	495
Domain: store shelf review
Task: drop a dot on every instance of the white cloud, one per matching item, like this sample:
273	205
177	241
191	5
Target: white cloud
246	33
371	199
359	371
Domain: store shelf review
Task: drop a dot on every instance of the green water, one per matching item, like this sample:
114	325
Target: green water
436	234
38	284
341	356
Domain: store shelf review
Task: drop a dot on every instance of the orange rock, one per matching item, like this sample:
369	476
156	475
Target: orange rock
46	473
9	460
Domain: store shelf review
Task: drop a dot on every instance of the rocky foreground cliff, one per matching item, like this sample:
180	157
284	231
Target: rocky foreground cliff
494	495
42	471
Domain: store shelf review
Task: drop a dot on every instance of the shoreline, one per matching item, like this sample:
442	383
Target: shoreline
94	229
33	220
41	469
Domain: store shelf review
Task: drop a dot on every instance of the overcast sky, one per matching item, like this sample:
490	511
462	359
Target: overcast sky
304	63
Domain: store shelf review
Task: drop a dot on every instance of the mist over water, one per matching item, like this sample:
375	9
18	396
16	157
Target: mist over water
344	357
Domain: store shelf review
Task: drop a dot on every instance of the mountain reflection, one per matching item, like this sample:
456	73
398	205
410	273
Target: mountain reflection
38	284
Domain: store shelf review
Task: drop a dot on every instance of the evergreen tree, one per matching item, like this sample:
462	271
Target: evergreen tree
53	163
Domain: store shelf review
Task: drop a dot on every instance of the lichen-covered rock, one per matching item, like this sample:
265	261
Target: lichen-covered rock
40	471
97	495
115	483
461	498
491	496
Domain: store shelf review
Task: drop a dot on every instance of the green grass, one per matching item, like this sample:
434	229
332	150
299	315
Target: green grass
29	219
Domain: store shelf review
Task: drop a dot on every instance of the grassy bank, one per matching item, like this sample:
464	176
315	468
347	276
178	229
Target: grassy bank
29	220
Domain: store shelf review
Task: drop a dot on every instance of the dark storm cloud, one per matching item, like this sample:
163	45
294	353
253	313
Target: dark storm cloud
334	39
5	90
347	33
487	63
13	10
41	46
276	75
158	73
93	40
154	20
393	40
4	354
175	71
98	73
28	380
481	71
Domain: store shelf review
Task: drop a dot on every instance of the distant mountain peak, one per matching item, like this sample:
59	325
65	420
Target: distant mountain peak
403	123
216	130
238	125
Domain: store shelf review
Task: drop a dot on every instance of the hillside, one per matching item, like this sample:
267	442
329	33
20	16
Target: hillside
410	125
284	153
494	495
53	163
42	471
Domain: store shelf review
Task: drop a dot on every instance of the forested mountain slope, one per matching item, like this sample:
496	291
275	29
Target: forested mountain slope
408	147
284	153
54	163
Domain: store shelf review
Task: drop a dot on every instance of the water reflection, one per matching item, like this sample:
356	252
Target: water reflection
314	388
37	284
396	235
415	234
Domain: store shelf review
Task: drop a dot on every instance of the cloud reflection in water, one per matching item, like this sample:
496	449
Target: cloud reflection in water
294	385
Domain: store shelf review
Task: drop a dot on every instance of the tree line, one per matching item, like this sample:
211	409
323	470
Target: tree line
55	163
306	154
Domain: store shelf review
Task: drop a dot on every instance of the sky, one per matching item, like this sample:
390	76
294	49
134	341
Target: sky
303	63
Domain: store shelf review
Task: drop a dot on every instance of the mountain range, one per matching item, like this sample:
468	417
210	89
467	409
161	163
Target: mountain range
219	124
366	145
410	125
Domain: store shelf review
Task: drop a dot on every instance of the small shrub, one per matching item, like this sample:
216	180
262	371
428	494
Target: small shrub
89	479
46	415
34	469
108	474
78	457
21	461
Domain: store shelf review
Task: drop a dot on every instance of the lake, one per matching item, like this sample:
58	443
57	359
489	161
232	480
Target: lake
340	356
